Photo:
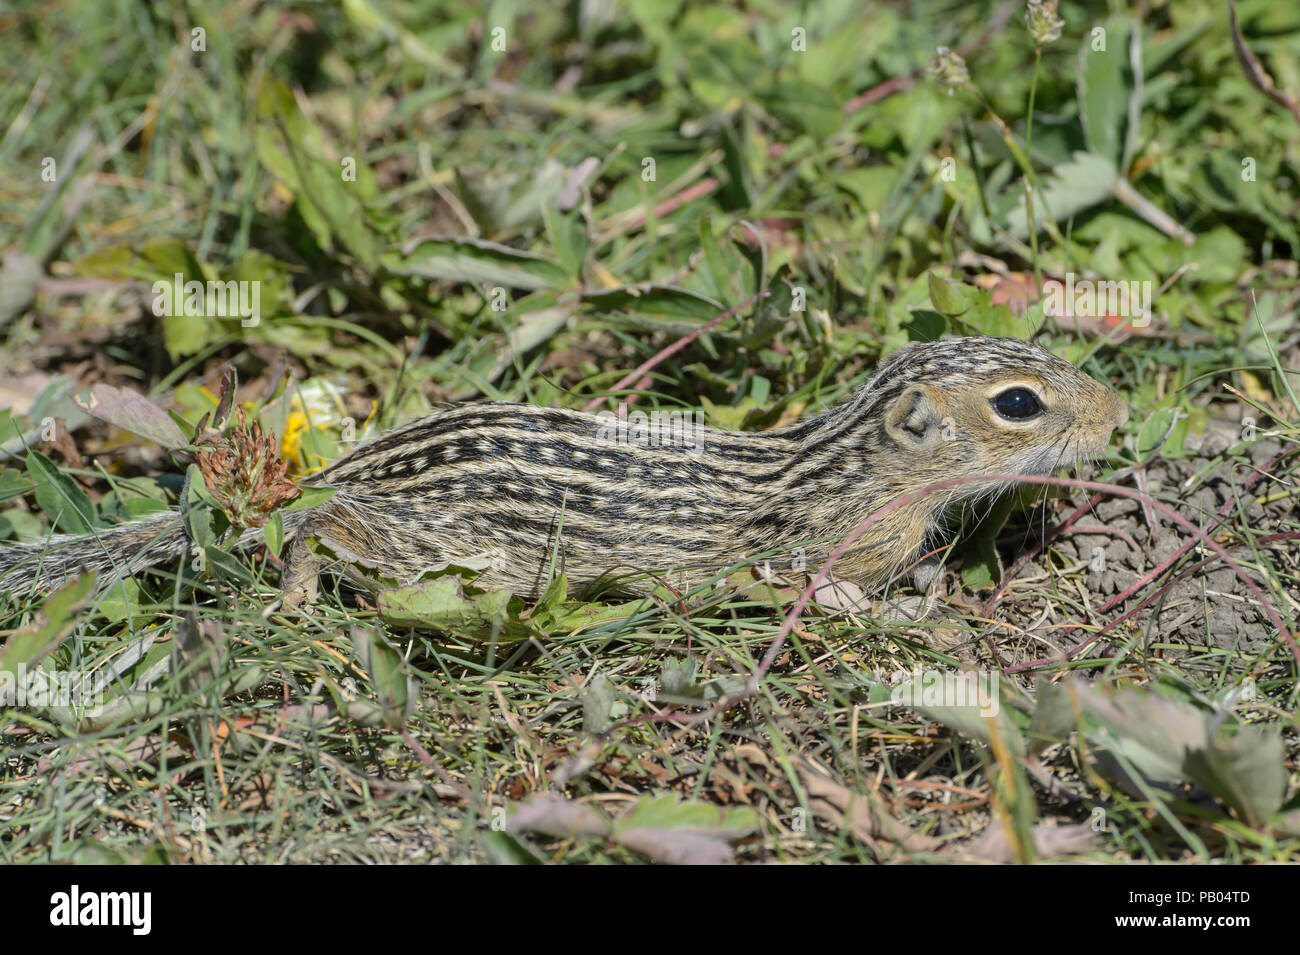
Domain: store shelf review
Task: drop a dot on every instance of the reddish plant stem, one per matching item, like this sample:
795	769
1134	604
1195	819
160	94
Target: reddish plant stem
671	204
904	80
1145	602
1173	558
1219	518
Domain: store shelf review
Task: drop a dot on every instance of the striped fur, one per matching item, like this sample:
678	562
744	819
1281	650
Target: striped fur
517	489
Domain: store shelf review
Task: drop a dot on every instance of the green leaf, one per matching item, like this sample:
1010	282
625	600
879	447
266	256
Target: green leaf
721	61
311	496
138	507
963	701
571	616
677	678
805	107
980	569
10	430
555	597
716	269
981	566
667	812
1053	718
167	257
440	604
54	622
479	263
1108	99
1246	770
193	401
973	311
159	260
292	147
684	833
197	506
598	699
949	297
196	489
188	334
568	235
504	849
121	601
396	691
273	533
728	275
270	273
1103	94
1172	742
1155	431
19	524
1220	255
731	417
385	32
61	498
339	206
223	565
1073	187
871	185
13	484
653	307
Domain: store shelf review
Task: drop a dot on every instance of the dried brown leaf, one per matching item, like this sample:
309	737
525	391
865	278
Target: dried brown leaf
861	814
561	818
1050	842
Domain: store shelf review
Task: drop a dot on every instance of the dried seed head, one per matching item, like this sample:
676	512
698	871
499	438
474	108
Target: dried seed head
950	68
1042	22
245	474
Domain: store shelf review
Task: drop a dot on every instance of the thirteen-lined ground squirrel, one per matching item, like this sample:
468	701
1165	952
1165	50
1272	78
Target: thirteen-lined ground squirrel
522	489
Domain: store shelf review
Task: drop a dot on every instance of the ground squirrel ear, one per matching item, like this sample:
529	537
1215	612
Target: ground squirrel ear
914	419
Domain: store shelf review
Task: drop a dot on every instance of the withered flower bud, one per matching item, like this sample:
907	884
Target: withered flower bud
245	474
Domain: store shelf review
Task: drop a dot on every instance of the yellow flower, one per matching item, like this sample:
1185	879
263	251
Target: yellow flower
316	414
291	443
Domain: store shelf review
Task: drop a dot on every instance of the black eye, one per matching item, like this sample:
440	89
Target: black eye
1017	404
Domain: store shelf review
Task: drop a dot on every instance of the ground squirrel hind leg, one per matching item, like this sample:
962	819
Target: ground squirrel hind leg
300	581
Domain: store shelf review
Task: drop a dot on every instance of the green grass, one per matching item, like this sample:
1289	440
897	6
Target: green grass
240	729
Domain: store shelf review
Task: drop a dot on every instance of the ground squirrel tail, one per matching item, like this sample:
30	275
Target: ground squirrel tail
110	553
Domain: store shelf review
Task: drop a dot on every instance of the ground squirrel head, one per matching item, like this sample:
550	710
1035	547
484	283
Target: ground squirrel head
971	406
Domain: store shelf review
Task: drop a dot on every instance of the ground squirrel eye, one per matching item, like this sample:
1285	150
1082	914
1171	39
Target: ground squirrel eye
1017	404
